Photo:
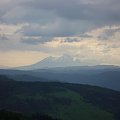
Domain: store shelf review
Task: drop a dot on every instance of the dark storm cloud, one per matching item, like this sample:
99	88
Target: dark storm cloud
59	18
32	41
101	12
60	28
35	41
86	36
71	39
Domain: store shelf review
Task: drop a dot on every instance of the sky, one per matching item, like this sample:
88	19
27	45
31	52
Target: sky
87	30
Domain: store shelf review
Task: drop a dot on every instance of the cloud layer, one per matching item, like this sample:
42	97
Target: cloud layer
85	29
62	18
35	11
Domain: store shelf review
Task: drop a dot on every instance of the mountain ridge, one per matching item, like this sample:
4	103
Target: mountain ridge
64	61
104	76
52	62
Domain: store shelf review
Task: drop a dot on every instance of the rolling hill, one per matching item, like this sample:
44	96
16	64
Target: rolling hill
59	100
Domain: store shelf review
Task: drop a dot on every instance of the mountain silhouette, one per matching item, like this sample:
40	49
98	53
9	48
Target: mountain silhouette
50	62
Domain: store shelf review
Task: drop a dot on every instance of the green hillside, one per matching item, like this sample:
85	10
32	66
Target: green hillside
59	100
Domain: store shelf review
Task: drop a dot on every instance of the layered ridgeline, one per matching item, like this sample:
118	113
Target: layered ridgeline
67	69
60	100
107	76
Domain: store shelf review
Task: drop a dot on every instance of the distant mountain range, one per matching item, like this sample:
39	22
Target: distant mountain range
107	76
64	62
4	67
52	62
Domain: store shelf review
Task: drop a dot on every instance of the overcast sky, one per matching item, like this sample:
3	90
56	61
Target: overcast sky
31	30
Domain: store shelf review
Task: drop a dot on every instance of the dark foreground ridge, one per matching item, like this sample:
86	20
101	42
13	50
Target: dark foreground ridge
8	115
59	100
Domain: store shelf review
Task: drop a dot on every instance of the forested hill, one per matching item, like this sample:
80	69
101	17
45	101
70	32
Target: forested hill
64	101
